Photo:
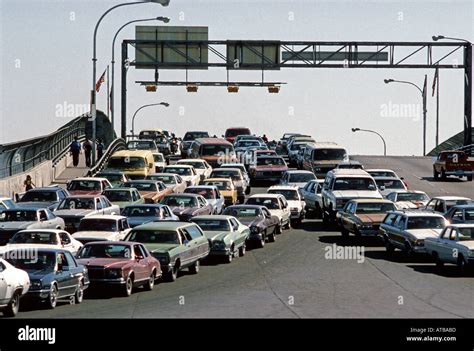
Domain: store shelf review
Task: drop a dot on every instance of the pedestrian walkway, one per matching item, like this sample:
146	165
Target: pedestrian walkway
72	172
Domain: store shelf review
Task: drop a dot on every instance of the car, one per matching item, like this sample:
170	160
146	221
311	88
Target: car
186	206
294	199
186	172
6	203
211	193
409	199
102	228
42	238
461	214
284	139
116	178
243	145
302	139
456	163
160	161
454	245
188	138
201	167
443	204
268	168
407	230
226	188
248	137
14	220
14	283
88	186
243	170
124	196
173	181
240	182
386	185
54	275
136	164
297	178
249	157
177	245
141	214
382	172
263	225
163	145
322	157
120	265
73	208
227	236
342	185
143	144
232	133
294	150
48	197
362	217
276	204
313	198
152	191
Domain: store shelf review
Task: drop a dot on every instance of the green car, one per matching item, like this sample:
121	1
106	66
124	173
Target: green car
177	245
124	197
227	236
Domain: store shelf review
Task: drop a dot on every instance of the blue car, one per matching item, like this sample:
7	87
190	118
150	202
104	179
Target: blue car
141	214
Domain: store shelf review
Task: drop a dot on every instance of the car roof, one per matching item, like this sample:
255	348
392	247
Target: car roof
176	165
386	178
94	179
385	201
146	205
146	181
273	196
202	186
50	189
108	242
408	192
417	213
350	172
21	208
465	206
462	225
165	225
162	174
283	187
190	160
218	180
183	195
119	189
212	217
380	170
226	169
450	197
105	217
41	231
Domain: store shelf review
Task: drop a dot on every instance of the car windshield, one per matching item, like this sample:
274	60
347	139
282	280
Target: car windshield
204	192
180	201
412	197
154	237
451	203
216	150
98	225
195	164
18	216
118	195
140	145
466	234
270	161
382	174
354	184
374	207
213	225
42	238
390	183
221	185
86	185
39	196
158	158
41	261
329	154
85	203
247	143
183	171
291	195
141	186
126	162
164	178
105	251
240	212
428	222
296	147
195	135
301	177
270	203
141	211
225	174
234	132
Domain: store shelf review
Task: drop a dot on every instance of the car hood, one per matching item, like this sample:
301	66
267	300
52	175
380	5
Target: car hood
410	204
425	233
182	211
94	234
73	213
15	225
161	248
270	168
38	274
374	194
375	218
37	204
250	221
84	192
216	235
104	262
134	221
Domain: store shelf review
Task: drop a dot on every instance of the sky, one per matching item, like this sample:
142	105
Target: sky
46	70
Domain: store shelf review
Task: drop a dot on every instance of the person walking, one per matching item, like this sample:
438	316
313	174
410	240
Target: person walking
87	146
100	149
75	150
28	183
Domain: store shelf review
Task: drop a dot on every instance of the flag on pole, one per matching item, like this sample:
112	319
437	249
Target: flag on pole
435	80
100	81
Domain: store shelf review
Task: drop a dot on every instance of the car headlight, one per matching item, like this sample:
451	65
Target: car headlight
317	169
163	259
114	273
218	245
419	242
254	229
35	284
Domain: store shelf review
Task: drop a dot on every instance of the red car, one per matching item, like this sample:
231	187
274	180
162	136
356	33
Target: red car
268	168
232	133
88	186
121	265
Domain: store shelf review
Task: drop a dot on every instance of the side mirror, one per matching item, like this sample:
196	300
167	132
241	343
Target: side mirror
139	257
382	187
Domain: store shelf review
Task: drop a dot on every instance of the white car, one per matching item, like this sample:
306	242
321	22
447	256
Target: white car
43	238
387	185
382	172
202	168
211	193
173	181
14	283
443	204
276	204
410	199
312	196
160	161
297	177
455	245
295	201
186	172
106	227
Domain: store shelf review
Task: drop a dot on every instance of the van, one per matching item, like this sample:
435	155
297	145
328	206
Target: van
215	151
320	158
136	164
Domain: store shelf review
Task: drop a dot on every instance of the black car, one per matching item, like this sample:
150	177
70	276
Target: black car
48	197
461	214
263	225
54	275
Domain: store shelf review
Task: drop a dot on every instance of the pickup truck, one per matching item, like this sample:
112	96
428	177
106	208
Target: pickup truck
455	162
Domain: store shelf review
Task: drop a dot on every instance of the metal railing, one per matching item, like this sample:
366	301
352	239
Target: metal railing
116	145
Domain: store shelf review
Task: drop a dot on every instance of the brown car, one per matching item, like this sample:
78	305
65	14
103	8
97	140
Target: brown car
121	265
153	191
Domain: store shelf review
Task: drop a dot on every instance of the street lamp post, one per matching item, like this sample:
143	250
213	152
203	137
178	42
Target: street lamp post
373	131
112	92
141	108
94	67
423	93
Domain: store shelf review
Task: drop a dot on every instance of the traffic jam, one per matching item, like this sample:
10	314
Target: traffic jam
168	204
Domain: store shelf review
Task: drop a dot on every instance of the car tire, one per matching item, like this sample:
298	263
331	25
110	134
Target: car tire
79	294
261	243
443	174
389	248
272	236
408	250
438	262
278	229
461	263
172	275
13	307
150	284
469	178
229	258
288	225
242	250
435	174
52	300
128	287
194	269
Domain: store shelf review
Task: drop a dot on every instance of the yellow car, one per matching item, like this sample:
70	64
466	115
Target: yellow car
226	187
